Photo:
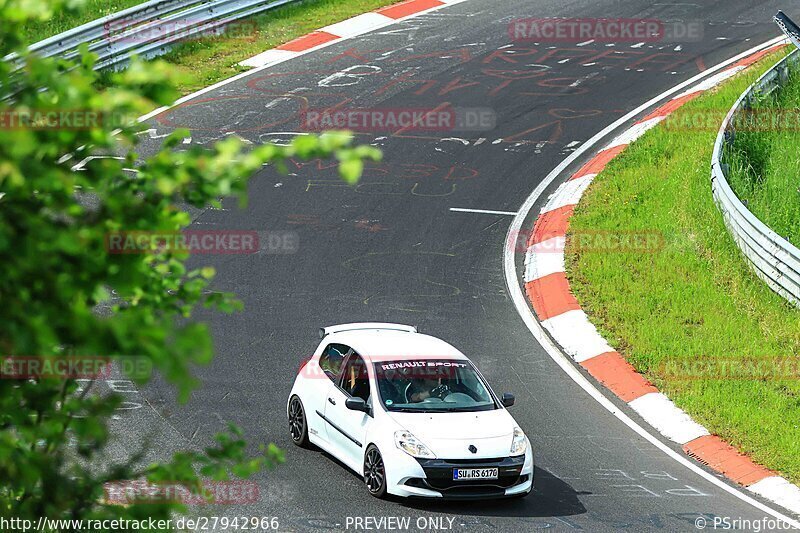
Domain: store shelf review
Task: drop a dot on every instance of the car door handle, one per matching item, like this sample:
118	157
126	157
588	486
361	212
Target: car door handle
332	401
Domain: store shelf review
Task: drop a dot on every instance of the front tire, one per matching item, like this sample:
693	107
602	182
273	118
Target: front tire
298	423
374	472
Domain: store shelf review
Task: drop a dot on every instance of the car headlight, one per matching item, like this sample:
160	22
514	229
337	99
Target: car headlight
407	442
519	445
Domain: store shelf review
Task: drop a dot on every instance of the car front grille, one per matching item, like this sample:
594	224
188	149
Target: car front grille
439	474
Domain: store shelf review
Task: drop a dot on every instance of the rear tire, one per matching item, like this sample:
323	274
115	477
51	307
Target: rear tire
374	472
298	423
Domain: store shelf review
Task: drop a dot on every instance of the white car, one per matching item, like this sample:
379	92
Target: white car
409	413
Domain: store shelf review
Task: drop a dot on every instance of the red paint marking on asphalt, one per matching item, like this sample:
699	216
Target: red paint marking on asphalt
550	296
408	8
618	375
439	108
599	162
724	458
308	41
701	65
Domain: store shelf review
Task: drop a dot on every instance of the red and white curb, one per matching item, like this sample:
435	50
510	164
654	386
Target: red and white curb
560	314
345	29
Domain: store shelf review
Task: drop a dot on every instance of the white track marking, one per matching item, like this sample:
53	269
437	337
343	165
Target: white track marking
483	211
523	308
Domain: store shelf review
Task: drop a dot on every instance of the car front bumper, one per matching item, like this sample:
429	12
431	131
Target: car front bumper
433	478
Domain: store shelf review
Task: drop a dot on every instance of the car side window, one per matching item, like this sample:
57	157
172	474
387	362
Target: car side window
355	380
331	360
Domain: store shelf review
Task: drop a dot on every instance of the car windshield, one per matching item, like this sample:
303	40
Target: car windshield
432	385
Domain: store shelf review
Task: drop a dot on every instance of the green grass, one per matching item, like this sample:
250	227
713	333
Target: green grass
765	161
695	300
64	20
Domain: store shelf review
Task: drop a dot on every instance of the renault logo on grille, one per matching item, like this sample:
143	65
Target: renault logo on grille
472	448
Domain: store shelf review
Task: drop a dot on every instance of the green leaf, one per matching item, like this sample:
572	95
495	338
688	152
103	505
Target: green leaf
350	170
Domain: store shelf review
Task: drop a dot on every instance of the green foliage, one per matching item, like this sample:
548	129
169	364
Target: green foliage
56	272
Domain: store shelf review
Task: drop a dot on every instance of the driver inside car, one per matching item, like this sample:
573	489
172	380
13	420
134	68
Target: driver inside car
420	389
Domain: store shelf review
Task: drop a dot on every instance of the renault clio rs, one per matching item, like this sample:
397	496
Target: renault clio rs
410	414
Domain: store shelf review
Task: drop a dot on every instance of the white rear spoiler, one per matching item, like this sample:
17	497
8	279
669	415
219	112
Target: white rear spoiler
365	325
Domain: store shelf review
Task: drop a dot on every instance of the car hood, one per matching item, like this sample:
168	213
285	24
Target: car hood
449	435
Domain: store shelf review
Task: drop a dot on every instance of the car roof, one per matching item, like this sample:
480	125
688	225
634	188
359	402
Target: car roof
383	343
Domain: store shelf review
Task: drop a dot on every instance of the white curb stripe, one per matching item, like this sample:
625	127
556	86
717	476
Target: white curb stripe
358	25
544	258
568	193
667	418
778	490
713	81
635	132
576	335
269	57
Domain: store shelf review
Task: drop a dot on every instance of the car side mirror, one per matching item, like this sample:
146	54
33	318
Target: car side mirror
508	399
356	404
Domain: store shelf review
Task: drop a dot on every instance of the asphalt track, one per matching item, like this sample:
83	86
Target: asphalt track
390	249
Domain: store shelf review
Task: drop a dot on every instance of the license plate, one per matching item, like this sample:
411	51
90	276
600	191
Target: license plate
465	474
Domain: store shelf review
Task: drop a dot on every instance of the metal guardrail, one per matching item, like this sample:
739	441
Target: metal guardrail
774	259
149	29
